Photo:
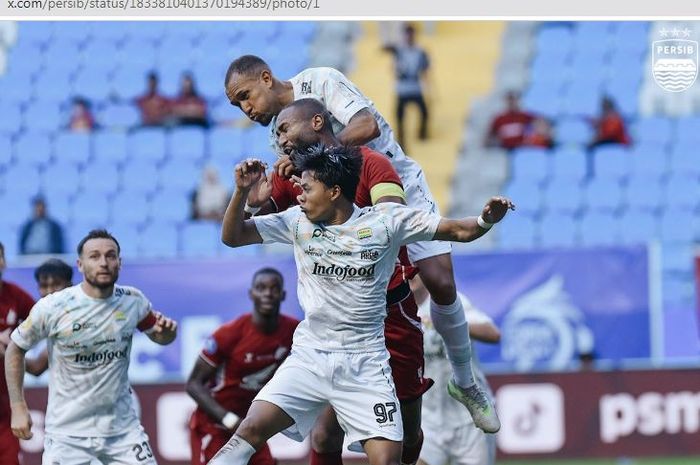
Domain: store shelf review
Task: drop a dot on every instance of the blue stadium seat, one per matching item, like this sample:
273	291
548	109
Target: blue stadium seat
76	32
670	229
677	259
209	83
15	207
305	30
110	146
53	87
554	38
122	116
649	160
159	240
100	177
129	82
682	191
517	232
226	144
637	227
11	121
140	176
61	178
199	239
187	143
73	147
684	159
76	230
150	31
526	195
644	193
9	236
170	74
33	148
171	207
109	31
136	52
558	231
5	150
173	47
222	112
35	32
598	229
130	208
563	196
529	164
190	30
604	195
543	102
179	175
257	143
688	130
573	131
43	116
654	129
17	90
128	237
147	145
581	102
93	85
93	209
612	162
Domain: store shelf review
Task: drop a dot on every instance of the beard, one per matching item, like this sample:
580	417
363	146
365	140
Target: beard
92	280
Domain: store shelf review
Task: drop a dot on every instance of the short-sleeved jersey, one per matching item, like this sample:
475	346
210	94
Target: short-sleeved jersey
343	100
15	305
344	270
89	343
439	409
245	359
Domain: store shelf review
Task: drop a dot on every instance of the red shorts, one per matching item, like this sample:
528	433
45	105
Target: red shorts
9	446
207	439
404	340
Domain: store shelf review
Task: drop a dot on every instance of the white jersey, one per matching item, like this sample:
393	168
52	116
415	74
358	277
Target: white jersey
89	343
439	409
343	100
344	270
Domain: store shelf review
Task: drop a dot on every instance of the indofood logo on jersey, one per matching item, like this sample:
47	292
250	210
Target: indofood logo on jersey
675	60
103	357
544	327
341	273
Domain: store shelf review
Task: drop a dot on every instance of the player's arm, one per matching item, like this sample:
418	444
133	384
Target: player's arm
237	231
361	129
163	331
21	421
384	182
469	229
37	366
197	387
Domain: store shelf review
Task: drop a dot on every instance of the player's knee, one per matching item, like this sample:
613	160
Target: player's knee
326	440
387	456
253	431
441	286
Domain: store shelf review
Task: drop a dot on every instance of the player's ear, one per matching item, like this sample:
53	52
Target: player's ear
79	262
283	296
266	77
335	192
317	123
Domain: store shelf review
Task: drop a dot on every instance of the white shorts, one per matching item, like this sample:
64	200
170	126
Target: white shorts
359	387
418	196
466	445
130	448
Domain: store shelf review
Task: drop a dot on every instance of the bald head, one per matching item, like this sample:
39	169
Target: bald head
307	109
250	66
304	123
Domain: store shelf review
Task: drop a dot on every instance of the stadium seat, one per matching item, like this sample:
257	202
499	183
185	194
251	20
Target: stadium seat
147	145
93	209
129	82
657	129
573	131
226	144
9	236
644	193
130	208
109	31
59	207
11	122
61	178
688	130
5	151
649	160
100	177
526	195
517	232
637	227
179	175
563	196
612	162
598	229
43	116
128	237
684	159
15	207
33	148
121	116
550	39
558	231
17	90
110	146
171	206
604	195
140	176
92	85
580	102
73	32
159	240
187	143
35	32
73	147
529	164
199	239
682	191
677	259
670	229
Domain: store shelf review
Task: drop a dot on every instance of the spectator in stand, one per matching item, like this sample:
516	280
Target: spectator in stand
211	197
41	234
610	127
539	134
81	119
155	108
411	65
189	108
508	129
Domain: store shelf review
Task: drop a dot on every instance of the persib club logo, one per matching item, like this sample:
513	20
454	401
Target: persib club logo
675	61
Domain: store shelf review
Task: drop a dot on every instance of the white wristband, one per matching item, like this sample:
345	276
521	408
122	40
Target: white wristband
230	420
249	209
483	224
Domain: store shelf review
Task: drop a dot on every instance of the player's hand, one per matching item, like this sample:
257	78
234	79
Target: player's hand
164	324
496	208
284	166
21	422
248	172
260	192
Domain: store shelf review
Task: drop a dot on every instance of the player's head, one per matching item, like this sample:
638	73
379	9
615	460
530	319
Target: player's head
329	177
267	292
513	100
2	259
303	123
98	259
248	85
39	207
53	275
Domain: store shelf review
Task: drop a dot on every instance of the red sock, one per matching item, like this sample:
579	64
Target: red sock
327	458
410	453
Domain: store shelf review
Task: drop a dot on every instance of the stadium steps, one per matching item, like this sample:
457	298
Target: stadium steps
471	47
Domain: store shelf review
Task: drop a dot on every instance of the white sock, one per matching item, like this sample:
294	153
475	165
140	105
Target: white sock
236	451
450	322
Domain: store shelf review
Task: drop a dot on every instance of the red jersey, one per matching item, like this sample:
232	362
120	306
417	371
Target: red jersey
611	128
510	128
15	305
376	169
246	358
